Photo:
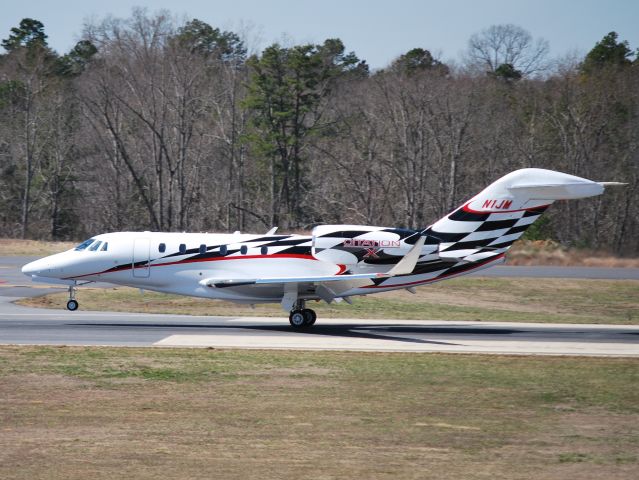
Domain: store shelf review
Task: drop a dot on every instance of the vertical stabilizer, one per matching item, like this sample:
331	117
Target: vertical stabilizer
493	219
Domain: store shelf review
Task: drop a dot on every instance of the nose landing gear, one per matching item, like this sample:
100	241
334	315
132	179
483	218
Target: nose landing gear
302	317
72	304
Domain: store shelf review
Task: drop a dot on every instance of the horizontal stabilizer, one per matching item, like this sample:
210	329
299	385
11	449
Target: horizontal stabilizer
558	191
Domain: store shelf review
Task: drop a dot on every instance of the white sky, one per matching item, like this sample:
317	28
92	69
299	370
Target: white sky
378	31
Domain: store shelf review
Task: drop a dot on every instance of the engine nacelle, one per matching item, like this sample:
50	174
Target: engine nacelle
365	246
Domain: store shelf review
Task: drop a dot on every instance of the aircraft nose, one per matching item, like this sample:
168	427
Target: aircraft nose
35	268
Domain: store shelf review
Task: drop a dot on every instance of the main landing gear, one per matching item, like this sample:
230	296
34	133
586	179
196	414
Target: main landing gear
301	317
72	304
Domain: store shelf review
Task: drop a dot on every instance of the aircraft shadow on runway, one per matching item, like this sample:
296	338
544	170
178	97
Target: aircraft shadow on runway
398	333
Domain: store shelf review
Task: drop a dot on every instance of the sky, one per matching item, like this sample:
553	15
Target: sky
377	31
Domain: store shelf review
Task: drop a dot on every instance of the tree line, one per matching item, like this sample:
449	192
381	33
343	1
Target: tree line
150	123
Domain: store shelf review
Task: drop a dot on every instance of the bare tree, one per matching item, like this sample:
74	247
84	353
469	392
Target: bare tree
147	125
29	84
351	175
507	45
406	109
151	93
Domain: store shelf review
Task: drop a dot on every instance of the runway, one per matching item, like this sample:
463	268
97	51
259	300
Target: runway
21	325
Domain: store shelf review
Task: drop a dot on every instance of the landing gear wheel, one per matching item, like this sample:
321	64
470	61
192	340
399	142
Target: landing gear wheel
309	316
72	304
297	319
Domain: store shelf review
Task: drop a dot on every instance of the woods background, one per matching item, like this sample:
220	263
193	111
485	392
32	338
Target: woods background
155	123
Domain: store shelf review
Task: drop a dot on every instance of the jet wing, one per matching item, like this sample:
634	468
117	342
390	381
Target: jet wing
224	282
403	267
328	287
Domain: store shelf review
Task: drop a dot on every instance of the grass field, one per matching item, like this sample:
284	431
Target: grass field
515	300
14	247
77	413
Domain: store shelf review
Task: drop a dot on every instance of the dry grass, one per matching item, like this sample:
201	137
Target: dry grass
17	247
485	299
547	252
77	413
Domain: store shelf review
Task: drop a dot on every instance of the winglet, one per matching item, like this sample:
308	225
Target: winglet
407	264
272	231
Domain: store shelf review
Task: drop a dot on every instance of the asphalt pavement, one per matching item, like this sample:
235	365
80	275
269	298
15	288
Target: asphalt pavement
23	325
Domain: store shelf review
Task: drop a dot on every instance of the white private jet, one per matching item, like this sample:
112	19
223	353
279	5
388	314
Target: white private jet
334	263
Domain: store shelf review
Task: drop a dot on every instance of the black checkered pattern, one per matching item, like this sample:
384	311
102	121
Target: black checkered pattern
471	232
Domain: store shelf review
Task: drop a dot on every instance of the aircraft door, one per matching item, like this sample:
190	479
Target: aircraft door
141	257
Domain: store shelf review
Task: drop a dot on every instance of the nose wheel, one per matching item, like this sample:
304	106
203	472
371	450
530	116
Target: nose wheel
302	317
72	304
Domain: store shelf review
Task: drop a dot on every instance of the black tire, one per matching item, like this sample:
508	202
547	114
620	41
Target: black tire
297	319
72	305
309	316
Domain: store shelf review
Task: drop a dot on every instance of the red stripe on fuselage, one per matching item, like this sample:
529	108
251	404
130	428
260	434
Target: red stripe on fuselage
243	257
122	268
466	208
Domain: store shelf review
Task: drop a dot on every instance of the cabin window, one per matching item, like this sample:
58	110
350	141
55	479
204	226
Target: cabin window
264	250
243	249
104	247
202	249
182	248
162	247
85	244
95	246
223	250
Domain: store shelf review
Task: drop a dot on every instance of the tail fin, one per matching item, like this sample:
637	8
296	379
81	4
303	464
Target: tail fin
493	219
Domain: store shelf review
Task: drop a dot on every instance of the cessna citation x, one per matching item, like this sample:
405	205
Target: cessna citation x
333	263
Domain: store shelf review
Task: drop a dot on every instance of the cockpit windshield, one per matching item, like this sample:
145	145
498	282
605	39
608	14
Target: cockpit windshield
93	245
84	244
